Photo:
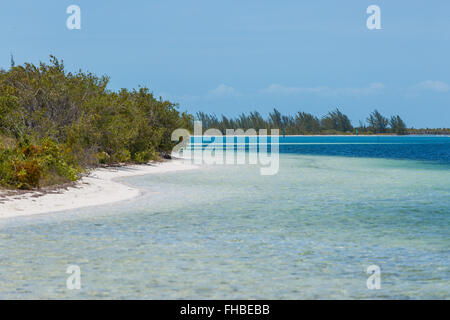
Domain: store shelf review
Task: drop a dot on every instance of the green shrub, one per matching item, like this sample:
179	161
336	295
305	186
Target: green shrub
103	157
122	155
27	165
144	156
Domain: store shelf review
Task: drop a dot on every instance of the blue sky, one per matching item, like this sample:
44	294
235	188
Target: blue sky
229	57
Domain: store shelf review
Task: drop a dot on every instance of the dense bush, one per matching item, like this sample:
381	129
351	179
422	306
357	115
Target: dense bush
62	121
28	165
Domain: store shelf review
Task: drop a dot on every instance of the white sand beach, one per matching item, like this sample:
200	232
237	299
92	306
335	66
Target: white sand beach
97	188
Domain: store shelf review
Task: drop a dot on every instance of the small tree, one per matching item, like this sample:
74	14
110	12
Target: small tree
275	119
306	123
398	126
336	120
377	122
13	63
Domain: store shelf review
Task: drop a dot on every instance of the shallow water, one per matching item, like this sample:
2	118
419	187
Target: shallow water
227	232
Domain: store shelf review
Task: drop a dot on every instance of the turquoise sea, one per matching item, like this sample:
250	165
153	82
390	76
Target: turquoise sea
336	206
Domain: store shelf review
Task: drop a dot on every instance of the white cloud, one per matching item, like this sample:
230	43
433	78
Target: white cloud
222	91
373	88
279	89
437	86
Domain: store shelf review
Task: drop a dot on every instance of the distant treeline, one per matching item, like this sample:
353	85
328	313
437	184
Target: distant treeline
302	123
54	123
435	131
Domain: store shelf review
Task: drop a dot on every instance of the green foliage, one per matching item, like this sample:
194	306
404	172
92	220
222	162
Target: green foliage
28	165
307	123
377	122
398	126
336	120
444	131
144	156
11	120
77	122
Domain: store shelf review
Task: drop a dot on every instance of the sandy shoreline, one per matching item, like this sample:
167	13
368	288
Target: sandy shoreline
97	188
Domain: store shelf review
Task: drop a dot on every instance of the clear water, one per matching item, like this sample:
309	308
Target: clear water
227	232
